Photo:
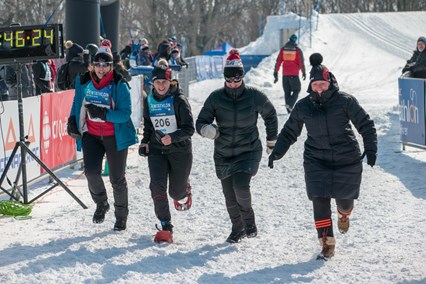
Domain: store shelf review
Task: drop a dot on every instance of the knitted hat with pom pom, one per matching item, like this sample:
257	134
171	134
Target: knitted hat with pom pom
104	53
318	72
233	65
73	49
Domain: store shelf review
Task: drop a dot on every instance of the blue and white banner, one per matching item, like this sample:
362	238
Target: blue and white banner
412	110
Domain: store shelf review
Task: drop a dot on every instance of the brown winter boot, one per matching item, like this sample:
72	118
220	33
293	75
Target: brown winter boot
343	223
328	244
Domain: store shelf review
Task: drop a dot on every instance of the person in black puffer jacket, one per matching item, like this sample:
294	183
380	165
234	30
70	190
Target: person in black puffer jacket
238	150
332	157
417	63
166	141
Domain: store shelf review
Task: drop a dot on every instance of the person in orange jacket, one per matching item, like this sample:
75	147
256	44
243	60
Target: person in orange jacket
291	59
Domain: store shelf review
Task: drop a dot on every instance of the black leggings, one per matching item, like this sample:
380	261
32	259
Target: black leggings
236	190
94	149
291	86
173	168
322	213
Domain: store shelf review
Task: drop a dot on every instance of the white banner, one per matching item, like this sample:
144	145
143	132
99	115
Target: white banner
9	127
136	85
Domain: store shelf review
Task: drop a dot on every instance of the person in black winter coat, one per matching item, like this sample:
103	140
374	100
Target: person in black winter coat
332	156
417	63
78	60
166	141
237	148
164	50
42	77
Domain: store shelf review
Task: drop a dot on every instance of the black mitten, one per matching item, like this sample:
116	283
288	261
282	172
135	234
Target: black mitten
371	158
96	112
72	128
143	150
271	160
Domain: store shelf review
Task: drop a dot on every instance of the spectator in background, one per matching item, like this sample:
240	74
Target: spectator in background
93	49
290	57
10	78
144	42
78	60
172	41
119	67
417	63
125	55
144	57
164	50
53	71
4	93
42	77
183	62
176	58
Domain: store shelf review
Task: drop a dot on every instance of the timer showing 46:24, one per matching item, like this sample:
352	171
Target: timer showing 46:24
26	38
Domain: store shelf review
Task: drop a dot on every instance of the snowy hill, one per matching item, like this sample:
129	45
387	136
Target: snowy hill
386	241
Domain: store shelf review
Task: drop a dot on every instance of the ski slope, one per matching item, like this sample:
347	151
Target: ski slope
386	240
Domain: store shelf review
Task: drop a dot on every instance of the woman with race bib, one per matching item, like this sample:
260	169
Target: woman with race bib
168	127
100	122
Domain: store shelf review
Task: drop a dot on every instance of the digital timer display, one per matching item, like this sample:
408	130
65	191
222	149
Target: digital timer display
29	43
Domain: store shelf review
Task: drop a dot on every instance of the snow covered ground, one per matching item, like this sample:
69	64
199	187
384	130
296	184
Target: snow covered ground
386	241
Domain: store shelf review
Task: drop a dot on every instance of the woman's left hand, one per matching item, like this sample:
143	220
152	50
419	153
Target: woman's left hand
166	140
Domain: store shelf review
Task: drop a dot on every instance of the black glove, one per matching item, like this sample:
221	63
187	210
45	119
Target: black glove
143	150
371	158
96	112
304	76
275	78
72	128
271	160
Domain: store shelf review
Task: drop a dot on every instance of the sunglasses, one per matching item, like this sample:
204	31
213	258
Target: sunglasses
102	64
233	79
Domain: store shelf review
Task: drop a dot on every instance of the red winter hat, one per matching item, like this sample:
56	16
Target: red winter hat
104	52
233	65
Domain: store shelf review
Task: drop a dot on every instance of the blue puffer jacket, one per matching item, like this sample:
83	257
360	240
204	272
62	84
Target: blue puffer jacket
124	129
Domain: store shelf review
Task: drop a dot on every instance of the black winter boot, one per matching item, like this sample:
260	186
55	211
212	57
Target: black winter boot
251	231
120	224
101	209
235	237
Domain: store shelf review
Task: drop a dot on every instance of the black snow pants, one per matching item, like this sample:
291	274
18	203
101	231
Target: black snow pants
322	213
94	149
175	167
291	86
236	190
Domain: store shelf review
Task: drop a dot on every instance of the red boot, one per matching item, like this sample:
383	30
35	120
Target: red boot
186	202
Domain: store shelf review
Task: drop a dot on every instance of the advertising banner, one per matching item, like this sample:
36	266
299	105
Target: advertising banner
412	110
136	86
9	127
57	147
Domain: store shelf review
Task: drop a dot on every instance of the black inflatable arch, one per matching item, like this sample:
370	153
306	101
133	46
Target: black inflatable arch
83	21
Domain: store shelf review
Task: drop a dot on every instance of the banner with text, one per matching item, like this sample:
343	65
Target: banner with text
10	134
57	147
412	110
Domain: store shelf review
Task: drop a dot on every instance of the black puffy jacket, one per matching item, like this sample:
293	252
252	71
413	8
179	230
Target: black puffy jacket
238	148
332	157
181	138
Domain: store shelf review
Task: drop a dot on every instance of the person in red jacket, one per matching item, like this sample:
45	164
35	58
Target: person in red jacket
291	59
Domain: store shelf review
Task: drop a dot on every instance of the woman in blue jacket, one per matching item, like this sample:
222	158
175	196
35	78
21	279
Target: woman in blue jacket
100	122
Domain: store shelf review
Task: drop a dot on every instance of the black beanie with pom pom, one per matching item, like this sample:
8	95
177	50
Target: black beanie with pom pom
318	72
